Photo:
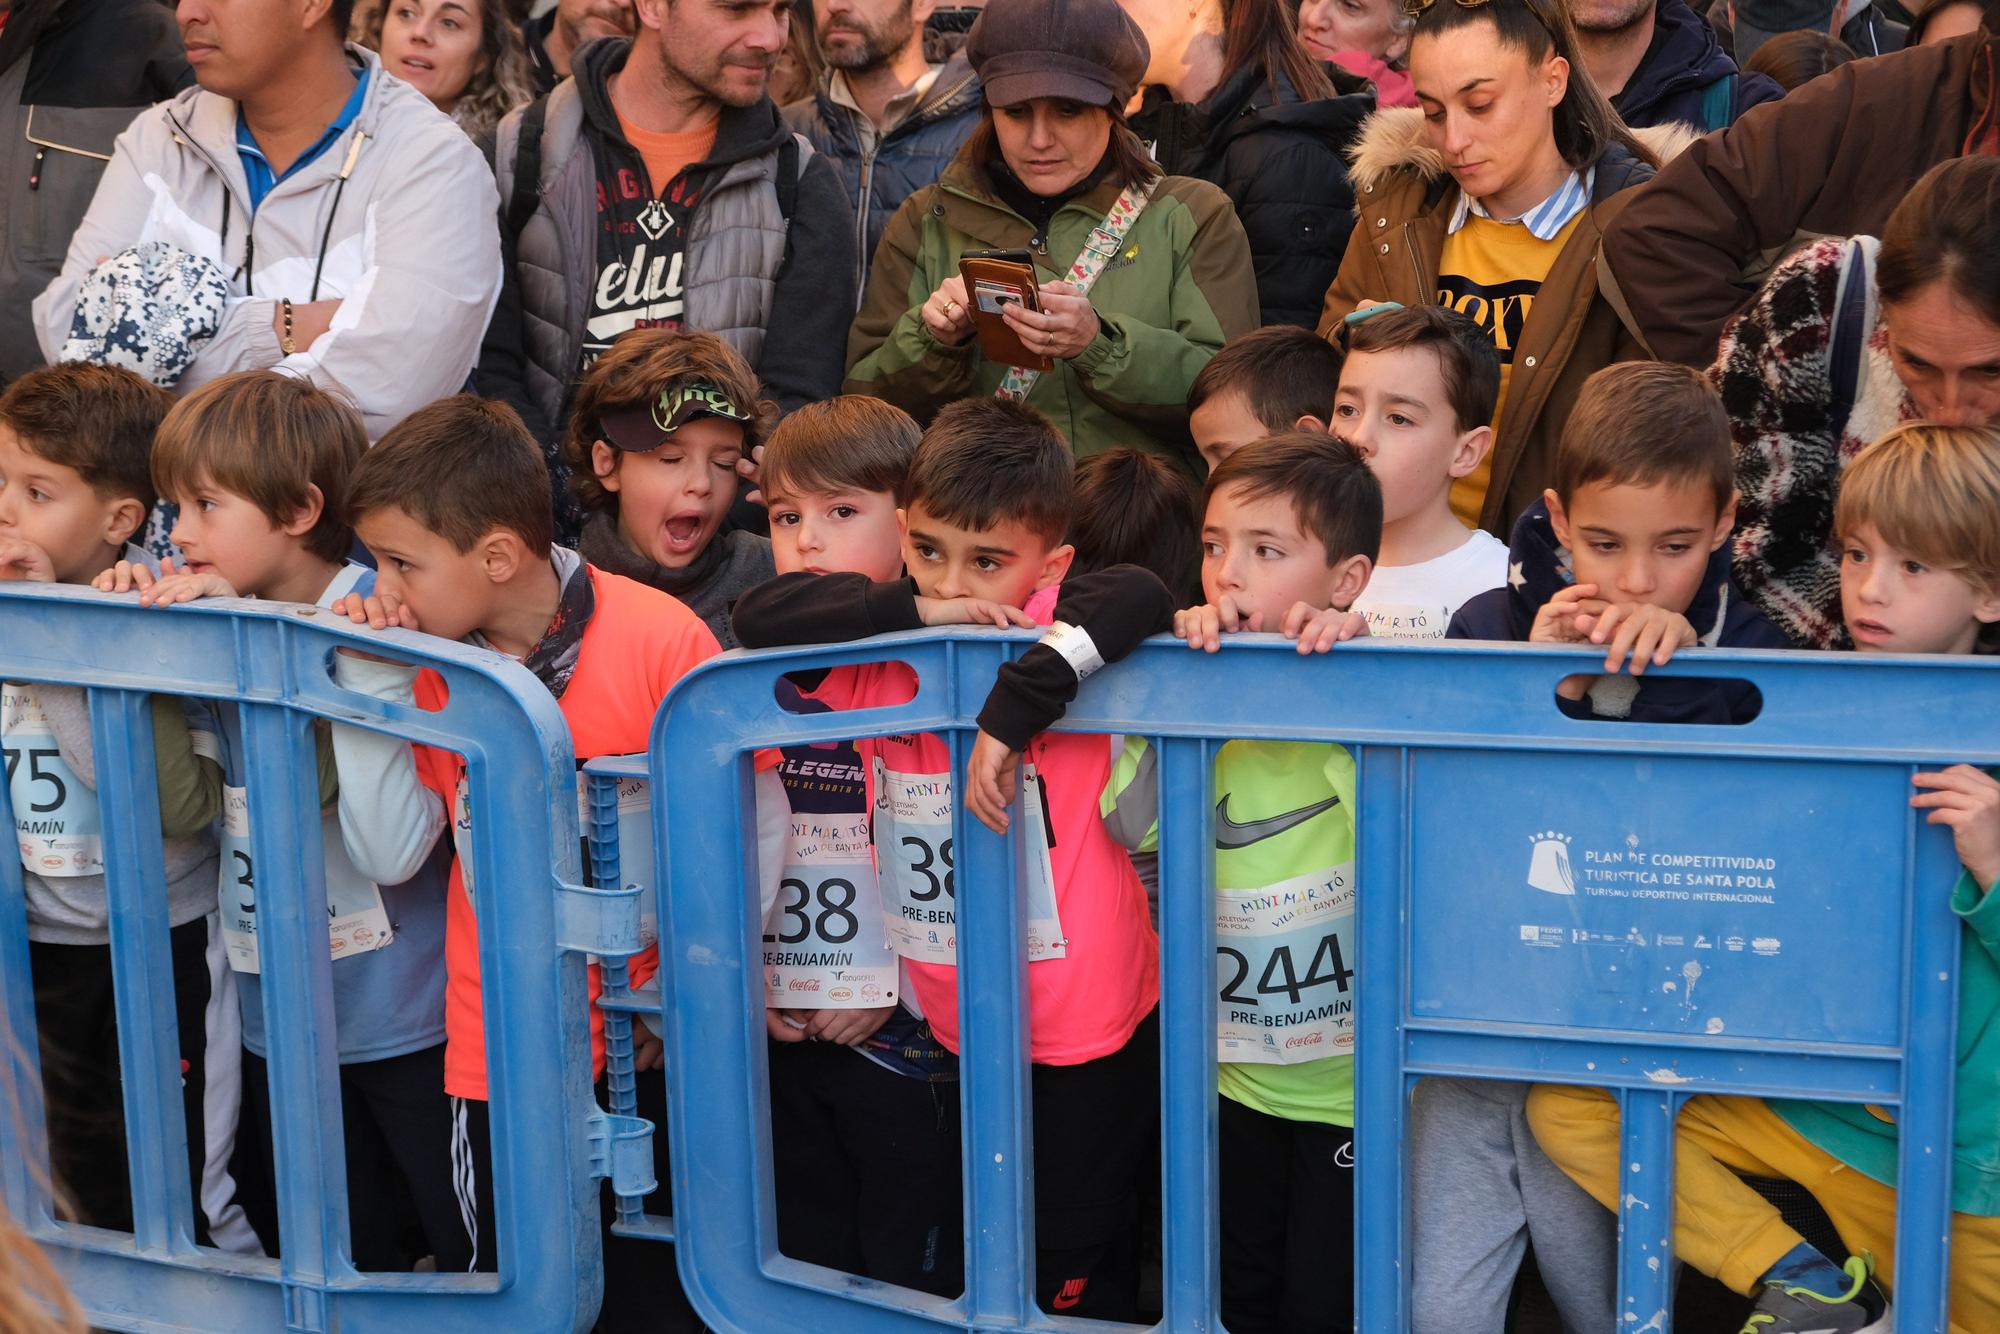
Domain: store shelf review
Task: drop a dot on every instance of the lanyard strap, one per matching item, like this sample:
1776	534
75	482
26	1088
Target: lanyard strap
1099	248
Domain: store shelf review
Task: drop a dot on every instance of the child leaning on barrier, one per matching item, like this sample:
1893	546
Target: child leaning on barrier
1919	573
74	489
1289	539
1268	381
1416	393
864	1099
257	466
982	516
660	425
453	503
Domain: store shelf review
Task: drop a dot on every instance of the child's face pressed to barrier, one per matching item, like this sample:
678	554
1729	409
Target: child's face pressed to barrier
226	533
835	532
672	499
1394	407
1894	603
50	506
452	592
1006	563
1256	553
1642	544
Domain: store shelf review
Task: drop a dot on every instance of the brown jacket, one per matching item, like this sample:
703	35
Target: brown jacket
1831	159
1406	200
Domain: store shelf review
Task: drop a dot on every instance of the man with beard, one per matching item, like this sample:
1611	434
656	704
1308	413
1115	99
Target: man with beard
1659	62
554	37
885	114
658	188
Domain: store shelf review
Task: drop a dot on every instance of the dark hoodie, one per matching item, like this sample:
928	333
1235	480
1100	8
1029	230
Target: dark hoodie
1283	162
1539	568
1684	59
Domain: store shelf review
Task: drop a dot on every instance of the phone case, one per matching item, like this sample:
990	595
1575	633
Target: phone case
991	280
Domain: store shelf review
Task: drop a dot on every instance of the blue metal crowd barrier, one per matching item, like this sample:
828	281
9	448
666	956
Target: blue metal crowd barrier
1660	911
536	923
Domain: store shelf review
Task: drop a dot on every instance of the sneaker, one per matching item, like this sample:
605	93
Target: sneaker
1862	1309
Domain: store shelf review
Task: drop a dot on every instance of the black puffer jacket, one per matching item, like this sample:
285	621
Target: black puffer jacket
1284	163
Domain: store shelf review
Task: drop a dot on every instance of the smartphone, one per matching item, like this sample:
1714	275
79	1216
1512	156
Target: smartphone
992	279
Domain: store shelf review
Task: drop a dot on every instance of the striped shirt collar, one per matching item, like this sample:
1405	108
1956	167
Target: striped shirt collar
1546	219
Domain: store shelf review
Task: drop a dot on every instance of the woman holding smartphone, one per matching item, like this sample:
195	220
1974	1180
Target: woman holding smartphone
1137	278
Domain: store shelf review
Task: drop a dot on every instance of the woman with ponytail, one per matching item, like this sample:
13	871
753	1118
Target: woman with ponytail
1489	197
1232	96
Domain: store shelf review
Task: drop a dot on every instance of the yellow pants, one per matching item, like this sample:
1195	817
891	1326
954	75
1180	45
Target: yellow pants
1724	1228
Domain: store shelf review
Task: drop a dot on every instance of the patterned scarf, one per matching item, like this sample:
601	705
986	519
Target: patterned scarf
553	659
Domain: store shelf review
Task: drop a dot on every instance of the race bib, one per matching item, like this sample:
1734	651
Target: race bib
914	859
635	845
461	834
56	819
1284	968
826	940
357	923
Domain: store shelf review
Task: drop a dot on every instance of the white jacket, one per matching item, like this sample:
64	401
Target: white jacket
413	252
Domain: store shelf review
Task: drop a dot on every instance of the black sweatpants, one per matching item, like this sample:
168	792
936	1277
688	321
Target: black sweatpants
1095	1125
642	1287
867	1168
76	1024
1287	1204
396	1128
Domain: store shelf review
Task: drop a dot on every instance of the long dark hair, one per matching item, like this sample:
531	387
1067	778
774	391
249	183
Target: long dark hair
1262	34
1943	232
1585	124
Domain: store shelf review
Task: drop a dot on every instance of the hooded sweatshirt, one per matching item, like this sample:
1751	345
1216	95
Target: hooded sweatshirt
1539	567
1682	62
394	219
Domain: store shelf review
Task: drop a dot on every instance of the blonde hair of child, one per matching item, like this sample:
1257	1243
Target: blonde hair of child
1933	493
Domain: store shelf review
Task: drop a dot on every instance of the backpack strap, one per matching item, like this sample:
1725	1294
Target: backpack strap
1718	104
526	194
788	177
1847	342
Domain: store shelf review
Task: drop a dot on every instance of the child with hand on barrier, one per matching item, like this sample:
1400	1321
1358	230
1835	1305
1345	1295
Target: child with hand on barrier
982	514
1629	550
864	1099
1290	535
454	504
1416	393
1266	382
662	425
1919	573
256	465
74	490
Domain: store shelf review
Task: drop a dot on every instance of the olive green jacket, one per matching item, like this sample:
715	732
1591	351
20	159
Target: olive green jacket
1181	286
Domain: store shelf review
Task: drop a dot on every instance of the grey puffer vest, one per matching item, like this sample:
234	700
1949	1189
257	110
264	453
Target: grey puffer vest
735	244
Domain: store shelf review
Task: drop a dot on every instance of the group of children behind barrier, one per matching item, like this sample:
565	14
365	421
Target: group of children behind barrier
1326	515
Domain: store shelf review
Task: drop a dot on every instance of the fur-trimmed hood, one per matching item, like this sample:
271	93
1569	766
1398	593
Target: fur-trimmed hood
1393	140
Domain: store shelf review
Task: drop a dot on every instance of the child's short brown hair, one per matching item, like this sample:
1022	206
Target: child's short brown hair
848	443
98	420
1933	493
986	461
461	467
1467	361
1646	423
1332	489
636	371
1136	508
1283	372
270	438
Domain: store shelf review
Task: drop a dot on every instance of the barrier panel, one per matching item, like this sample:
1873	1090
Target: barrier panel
535	924
1661	911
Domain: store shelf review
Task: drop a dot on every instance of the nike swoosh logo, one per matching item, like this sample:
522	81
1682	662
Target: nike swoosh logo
1062	1301
1230	835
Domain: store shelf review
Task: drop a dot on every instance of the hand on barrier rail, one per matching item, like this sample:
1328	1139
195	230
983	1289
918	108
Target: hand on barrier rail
1968	801
972	611
26	561
1648	633
377	611
124	577
990	783
174	583
1202	627
1317	630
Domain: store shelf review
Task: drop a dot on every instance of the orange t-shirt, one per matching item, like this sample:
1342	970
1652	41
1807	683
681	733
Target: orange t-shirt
638	643
666	155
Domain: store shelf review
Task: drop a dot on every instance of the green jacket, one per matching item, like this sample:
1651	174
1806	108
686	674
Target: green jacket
1865	1137
1182	286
